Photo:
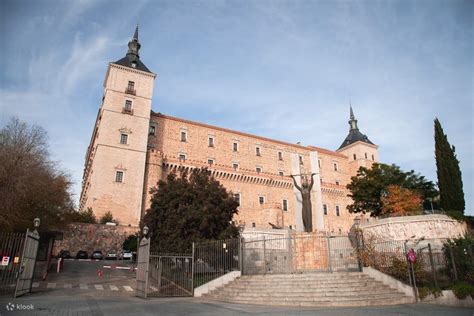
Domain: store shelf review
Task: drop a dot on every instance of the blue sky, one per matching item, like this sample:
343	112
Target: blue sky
280	69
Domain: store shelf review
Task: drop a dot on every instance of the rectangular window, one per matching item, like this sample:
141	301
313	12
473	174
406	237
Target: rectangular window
290	227
338	213
210	162
257	151
365	155
319	163
373	158
235	166
182	157
152	130
127	108
253	225
325	209
337	182
184	136
130	87
123	139
235	146
211	141
285	205
261	200
237	197
355	156
301	160
119	176
258	169
280	155
280	173
335	166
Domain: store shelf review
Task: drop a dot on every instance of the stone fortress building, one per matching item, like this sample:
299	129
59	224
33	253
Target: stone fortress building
132	147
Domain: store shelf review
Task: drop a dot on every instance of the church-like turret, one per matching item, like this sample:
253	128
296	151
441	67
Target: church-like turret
354	134
132	59
357	147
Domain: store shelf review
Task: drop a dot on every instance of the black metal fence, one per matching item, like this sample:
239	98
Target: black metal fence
11	249
439	263
170	275
214	259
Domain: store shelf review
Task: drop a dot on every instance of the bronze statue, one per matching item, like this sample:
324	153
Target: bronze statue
305	190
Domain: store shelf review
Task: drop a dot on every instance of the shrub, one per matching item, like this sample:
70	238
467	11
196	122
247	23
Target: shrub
424	291
461	290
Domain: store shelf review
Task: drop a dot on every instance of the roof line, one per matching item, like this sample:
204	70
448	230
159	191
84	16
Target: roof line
322	150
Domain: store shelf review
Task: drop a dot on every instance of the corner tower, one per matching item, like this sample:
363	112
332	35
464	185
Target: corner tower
361	152
114	168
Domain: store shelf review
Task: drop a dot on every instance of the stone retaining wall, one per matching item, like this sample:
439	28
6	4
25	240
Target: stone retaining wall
434	226
91	237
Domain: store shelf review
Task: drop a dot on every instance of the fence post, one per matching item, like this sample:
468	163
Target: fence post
433	269
453	262
415	290
264	257
408	264
359	250
192	271
329	253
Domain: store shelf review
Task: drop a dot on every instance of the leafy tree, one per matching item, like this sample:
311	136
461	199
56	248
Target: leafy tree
31	184
107	218
131	243
85	216
400	201
449	174
370	185
189	208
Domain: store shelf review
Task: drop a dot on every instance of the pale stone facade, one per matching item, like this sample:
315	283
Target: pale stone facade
133	147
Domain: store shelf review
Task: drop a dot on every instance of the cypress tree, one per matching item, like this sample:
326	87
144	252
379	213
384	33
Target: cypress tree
449	173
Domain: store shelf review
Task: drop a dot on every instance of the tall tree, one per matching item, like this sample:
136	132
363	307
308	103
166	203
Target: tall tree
369	186
31	184
189	208
449	173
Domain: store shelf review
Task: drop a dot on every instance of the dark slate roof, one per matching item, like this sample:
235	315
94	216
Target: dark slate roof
127	62
355	136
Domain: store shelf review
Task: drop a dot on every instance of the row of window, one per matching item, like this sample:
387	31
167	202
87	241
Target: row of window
261	201
235	146
366	156
325	210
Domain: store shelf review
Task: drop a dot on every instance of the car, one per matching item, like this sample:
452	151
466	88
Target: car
111	255
97	255
81	254
65	254
126	255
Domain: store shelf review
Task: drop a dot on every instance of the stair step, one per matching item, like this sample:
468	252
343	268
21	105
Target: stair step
300	292
332	303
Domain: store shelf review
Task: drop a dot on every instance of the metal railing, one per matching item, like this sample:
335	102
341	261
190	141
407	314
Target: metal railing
170	275
11	249
214	259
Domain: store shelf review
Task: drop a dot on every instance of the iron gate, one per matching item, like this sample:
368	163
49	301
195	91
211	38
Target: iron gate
296	254
170	275
28	261
18	253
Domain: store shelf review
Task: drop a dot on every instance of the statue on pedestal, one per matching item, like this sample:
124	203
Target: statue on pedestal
305	190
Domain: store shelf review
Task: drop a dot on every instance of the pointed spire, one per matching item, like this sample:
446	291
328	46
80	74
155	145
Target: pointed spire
134	46
352	120
135	35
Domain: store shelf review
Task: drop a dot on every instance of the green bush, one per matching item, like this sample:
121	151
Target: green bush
424	291
461	290
461	249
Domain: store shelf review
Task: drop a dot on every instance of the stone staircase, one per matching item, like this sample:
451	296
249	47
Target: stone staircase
310	289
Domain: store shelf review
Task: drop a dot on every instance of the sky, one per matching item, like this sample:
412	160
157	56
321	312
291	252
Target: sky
286	70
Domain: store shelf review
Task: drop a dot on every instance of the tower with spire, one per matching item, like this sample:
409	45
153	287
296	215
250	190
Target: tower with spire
358	147
114	170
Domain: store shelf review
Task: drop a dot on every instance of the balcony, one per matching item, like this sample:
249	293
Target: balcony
130	91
